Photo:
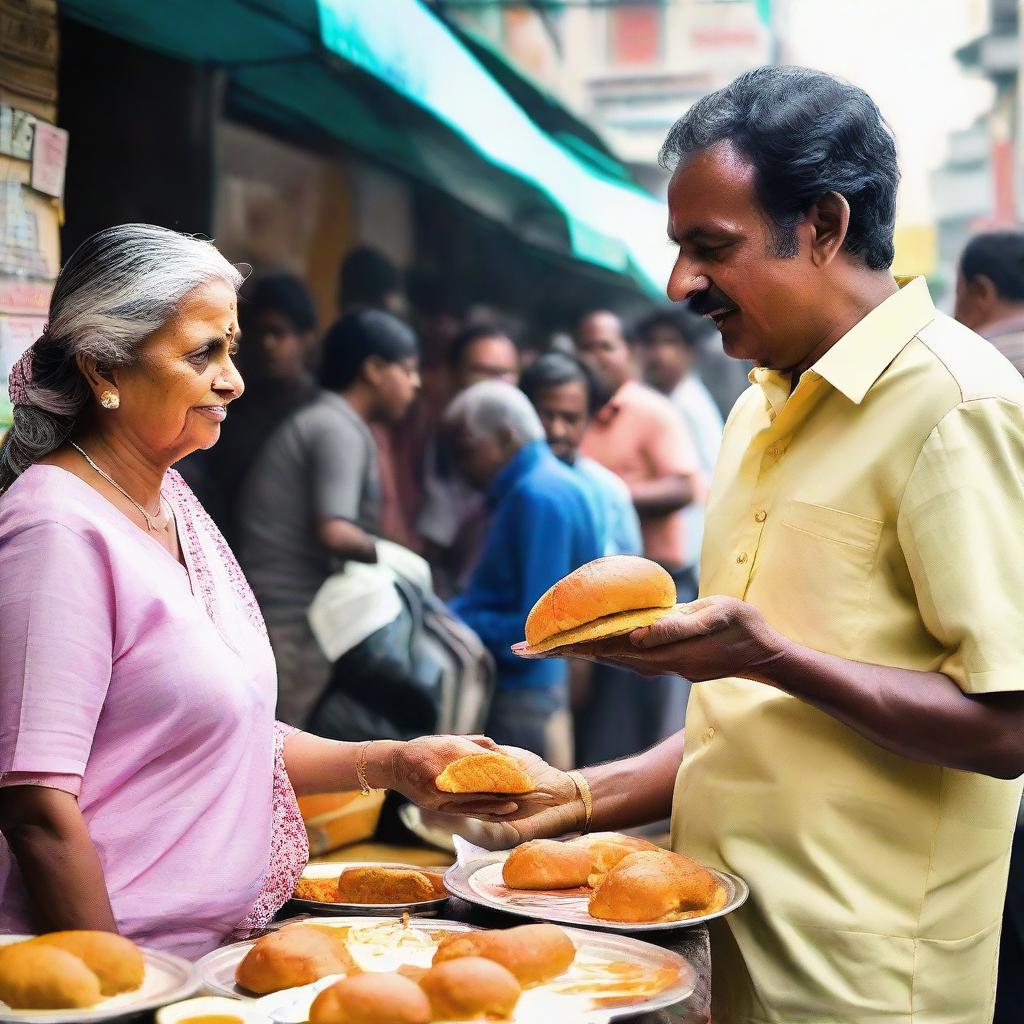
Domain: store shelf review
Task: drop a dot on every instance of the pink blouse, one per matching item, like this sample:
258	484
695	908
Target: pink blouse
150	689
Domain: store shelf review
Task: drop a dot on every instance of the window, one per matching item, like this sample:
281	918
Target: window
634	35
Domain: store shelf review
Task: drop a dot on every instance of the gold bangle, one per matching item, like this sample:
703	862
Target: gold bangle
364	786
583	788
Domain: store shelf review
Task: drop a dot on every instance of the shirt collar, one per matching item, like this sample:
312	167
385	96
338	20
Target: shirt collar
859	357
521	463
1010	325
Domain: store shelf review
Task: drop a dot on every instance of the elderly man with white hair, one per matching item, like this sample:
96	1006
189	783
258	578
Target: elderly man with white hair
542	525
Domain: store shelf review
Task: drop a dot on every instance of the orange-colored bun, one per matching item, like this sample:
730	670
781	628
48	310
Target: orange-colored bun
534	953
385	885
470	988
371	999
115	960
653	885
487	772
607	597
38	977
296	955
607	849
546	864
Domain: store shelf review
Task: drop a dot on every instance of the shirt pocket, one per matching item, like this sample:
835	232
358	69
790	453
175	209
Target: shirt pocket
814	575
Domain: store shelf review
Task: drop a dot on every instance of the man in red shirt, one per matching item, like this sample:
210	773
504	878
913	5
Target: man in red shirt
639	435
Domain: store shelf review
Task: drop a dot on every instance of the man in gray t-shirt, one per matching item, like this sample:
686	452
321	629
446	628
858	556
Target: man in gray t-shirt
312	499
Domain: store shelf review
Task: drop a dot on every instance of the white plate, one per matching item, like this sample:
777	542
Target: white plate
480	882
371	909
168	978
540	1005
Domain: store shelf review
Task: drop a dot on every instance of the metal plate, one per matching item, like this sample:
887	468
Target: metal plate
168	978
420	907
539	1005
480	882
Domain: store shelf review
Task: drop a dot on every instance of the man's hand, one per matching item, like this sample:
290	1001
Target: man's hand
710	638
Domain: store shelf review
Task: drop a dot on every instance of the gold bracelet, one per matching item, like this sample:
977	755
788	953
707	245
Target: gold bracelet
583	788
364	786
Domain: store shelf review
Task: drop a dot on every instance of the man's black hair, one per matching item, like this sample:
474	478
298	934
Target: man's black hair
469	336
367	277
692	329
999	256
806	133
555	369
287	295
358	336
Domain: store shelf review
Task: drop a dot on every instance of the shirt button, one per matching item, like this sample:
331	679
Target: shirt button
709	734
741	558
775	451
760	516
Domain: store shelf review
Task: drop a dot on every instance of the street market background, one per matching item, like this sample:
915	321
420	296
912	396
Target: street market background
508	147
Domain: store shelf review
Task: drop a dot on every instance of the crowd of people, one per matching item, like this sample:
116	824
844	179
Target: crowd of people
503	467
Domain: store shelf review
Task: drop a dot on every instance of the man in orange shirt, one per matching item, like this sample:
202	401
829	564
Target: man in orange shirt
639	435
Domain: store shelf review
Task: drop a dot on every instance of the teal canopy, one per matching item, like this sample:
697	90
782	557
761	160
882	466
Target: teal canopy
445	119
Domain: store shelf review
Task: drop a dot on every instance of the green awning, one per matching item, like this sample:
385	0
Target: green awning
442	118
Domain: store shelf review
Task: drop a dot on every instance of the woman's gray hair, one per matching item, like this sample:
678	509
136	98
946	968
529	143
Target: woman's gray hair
491	409
117	288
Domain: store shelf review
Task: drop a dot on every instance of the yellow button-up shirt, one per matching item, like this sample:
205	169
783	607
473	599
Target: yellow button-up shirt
875	513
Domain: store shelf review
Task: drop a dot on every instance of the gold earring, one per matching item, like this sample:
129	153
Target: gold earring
110	399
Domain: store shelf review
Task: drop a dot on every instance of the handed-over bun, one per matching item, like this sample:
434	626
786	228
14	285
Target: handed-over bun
37	977
547	864
534	953
488	772
607	597
115	960
295	955
470	988
385	885
371	999
653	885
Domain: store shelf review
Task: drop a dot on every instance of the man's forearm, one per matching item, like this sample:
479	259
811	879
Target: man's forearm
662	496
348	541
636	790
923	716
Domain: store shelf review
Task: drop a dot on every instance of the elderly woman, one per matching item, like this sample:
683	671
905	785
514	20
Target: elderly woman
144	784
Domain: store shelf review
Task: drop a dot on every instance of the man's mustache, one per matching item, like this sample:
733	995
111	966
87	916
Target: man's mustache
710	301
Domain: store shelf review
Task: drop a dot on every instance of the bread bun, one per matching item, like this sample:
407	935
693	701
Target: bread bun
385	885
534	953
38	977
470	988
607	597
607	849
295	955
371	999
546	864
486	772
655	885
115	960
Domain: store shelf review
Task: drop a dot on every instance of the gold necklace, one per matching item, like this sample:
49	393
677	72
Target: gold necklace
156	523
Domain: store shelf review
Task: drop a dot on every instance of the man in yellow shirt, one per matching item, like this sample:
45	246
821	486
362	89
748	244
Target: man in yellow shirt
860	635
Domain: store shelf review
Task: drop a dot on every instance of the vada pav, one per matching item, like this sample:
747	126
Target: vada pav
547	864
115	960
371	885
37	977
485	773
606	849
371	999
534	953
470	988
608	597
655	885
295	955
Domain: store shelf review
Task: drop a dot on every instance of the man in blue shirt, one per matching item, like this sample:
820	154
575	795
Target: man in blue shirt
542	525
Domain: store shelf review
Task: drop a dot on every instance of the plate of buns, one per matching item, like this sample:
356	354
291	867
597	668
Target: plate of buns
369	888
80	976
369	970
601	880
